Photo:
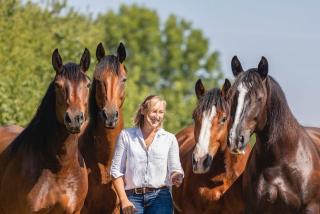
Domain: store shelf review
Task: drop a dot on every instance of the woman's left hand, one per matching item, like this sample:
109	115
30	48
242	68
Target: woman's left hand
176	178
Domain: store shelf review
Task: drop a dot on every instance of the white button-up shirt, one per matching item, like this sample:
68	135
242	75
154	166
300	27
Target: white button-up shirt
142	166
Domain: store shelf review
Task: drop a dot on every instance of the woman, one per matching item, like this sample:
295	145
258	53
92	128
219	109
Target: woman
146	162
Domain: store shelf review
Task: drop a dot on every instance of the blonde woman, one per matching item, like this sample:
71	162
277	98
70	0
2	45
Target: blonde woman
146	162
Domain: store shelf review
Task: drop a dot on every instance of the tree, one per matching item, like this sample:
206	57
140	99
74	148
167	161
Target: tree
29	34
164	58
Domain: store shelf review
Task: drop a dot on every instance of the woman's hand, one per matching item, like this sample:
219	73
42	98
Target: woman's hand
176	178
127	207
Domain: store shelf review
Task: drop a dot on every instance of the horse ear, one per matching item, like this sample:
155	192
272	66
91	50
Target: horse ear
57	61
225	88
85	60
121	52
199	88
263	67
236	66
100	53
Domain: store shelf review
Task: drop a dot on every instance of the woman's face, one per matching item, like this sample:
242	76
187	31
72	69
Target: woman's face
153	117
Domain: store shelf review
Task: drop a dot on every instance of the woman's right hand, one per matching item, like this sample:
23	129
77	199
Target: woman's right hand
127	207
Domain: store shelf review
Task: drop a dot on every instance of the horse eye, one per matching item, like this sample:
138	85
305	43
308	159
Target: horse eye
57	85
223	119
124	80
259	99
89	85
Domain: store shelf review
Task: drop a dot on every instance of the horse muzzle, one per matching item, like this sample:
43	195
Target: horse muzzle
201	163
73	122
110	118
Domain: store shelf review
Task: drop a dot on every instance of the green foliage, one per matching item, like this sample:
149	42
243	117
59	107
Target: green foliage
28	36
163	58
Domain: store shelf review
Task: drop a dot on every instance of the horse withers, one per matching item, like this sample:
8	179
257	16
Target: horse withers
42	170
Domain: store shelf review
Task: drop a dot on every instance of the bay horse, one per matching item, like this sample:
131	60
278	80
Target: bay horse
42	170
282	173
7	134
106	121
209	167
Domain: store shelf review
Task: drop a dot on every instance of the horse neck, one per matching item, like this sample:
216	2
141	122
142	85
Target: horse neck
281	129
63	147
105	140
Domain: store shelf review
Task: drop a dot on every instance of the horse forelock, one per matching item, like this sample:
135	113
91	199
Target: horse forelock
107	63
208	100
72	72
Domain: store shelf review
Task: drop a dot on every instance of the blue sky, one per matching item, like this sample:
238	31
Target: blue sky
286	32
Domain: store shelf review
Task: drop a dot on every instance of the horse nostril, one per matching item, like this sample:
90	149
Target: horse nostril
79	118
241	139
193	161
207	161
82	116
104	114
67	119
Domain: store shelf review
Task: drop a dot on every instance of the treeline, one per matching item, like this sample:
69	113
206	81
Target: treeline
164	57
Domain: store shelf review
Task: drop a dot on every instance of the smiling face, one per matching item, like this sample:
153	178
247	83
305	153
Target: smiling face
150	113
154	115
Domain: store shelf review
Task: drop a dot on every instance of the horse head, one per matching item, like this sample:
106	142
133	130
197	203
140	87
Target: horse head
211	125
108	90
248	99
71	86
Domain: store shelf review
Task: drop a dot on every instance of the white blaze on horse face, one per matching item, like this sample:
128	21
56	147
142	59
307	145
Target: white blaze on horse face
240	105
205	132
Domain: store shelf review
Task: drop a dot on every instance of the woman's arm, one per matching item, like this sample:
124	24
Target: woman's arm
174	164
126	205
117	172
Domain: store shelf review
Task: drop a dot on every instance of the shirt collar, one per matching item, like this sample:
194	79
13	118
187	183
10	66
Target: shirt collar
161	131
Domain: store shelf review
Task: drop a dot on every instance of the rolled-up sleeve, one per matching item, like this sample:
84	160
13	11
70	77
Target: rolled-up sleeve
118	165
174	164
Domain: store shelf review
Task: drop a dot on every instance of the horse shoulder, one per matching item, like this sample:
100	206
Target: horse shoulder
50	190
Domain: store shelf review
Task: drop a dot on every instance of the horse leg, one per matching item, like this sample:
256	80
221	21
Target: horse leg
212	194
188	208
219	177
312	208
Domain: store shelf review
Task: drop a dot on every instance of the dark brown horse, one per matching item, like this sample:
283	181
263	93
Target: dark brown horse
209	168
282	174
7	134
106	122
42	171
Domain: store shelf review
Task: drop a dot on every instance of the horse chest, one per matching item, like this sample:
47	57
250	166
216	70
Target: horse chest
273	188
51	190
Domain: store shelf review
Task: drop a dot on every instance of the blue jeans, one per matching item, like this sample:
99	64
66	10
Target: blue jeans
156	202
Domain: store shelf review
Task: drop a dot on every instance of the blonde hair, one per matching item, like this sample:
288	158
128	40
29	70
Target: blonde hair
147	104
